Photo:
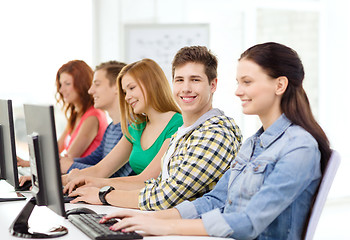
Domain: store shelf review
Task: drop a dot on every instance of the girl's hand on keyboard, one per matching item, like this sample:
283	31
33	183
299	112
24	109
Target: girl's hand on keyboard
131	219
122	214
146	224
169	222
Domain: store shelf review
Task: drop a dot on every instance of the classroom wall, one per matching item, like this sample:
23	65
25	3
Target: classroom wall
317	30
39	36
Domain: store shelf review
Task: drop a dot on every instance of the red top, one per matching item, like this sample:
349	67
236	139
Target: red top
102	125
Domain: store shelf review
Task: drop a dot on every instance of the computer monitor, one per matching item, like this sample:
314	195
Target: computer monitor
45	171
8	160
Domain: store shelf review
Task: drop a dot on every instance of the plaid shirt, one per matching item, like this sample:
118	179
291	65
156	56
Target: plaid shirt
201	157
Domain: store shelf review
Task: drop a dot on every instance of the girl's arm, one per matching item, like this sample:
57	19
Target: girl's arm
60	142
165	222
85	136
155	226
127	197
107	166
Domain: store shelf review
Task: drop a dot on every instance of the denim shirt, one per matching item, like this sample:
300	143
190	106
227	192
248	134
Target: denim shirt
268	190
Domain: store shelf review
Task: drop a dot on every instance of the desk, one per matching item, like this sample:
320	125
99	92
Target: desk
43	216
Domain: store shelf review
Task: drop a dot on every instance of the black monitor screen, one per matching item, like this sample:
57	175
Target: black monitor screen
44	158
8	160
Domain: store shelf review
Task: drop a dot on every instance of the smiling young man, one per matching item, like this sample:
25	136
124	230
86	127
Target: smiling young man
203	148
199	152
104	92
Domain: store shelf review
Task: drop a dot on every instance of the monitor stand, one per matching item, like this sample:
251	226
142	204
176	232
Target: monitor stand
20	228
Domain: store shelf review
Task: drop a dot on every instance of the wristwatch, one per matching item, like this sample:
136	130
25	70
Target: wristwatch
103	192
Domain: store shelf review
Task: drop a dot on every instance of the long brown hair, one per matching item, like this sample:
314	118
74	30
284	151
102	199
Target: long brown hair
279	60
82	78
155	86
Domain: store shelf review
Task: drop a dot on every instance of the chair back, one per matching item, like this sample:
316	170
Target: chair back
322	194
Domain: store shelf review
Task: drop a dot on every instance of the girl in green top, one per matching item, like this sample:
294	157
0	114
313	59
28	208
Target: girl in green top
148	108
140	157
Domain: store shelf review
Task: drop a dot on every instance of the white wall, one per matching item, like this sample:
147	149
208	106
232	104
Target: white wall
38	36
234	26
334	110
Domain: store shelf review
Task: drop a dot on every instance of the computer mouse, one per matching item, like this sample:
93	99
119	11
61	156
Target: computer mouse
80	210
25	187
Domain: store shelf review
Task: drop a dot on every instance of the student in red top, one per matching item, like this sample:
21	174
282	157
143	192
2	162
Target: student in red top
85	124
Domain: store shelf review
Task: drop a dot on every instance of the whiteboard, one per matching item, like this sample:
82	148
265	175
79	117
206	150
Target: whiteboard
160	42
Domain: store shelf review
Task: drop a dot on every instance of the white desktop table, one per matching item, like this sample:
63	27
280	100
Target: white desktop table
43	217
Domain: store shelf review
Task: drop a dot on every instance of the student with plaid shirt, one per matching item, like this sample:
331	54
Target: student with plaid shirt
198	154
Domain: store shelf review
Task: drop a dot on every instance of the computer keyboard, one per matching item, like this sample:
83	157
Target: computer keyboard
89	224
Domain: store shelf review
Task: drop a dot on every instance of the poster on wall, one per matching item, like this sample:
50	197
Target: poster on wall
160	42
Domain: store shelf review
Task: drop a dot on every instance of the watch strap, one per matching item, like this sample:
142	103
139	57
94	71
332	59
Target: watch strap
102	194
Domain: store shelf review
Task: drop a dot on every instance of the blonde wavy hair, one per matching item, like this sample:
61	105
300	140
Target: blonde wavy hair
154	85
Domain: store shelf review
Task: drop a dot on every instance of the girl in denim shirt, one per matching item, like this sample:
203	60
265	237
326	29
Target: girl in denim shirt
268	191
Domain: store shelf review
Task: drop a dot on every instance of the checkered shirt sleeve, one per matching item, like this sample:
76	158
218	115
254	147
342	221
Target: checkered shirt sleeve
200	159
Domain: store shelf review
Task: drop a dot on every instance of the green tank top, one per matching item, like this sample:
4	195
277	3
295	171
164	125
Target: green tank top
139	158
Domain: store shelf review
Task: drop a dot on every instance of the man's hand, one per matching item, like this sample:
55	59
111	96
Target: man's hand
85	181
86	194
22	163
70	176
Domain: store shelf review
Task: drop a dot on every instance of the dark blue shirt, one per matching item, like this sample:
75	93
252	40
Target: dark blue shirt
111	137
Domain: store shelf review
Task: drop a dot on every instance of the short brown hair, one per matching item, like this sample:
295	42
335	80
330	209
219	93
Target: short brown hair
112	68
197	54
